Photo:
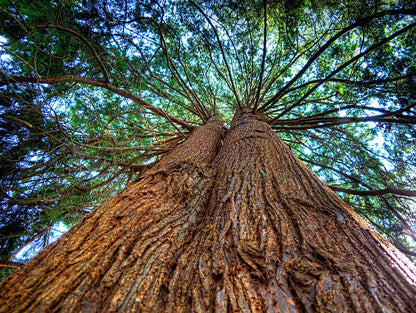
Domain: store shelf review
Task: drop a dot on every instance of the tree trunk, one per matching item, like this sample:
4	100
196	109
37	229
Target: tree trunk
253	230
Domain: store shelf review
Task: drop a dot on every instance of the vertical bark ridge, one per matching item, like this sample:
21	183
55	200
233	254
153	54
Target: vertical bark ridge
124	256
201	147
291	244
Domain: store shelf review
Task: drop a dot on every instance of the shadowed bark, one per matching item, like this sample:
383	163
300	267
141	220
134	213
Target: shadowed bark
253	230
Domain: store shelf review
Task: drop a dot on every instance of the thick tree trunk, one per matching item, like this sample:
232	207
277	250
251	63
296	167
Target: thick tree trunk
252	231
122	256
284	242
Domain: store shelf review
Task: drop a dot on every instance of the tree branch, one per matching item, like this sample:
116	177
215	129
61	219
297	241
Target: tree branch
175	72
397	244
91	82
399	217
315	56
256	103
305	123
356	83
388	205
83	39
28	242
11	264
379	192
222	51
344	65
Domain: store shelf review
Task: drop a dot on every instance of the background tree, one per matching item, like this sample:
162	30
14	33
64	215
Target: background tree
95	92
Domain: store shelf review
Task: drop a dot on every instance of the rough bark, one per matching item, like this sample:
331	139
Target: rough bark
252	231
284	242
122	257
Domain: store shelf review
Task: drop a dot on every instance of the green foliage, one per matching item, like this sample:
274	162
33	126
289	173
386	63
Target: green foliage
336	80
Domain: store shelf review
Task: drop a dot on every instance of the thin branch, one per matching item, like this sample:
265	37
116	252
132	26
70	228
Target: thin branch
15	18
397	244
219	72
388	205
173	69
404	250
157	90
352	178
236	53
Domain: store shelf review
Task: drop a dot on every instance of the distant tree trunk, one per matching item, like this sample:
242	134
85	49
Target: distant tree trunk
253	230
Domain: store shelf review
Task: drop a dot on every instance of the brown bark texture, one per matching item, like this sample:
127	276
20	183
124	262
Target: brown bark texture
242	227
